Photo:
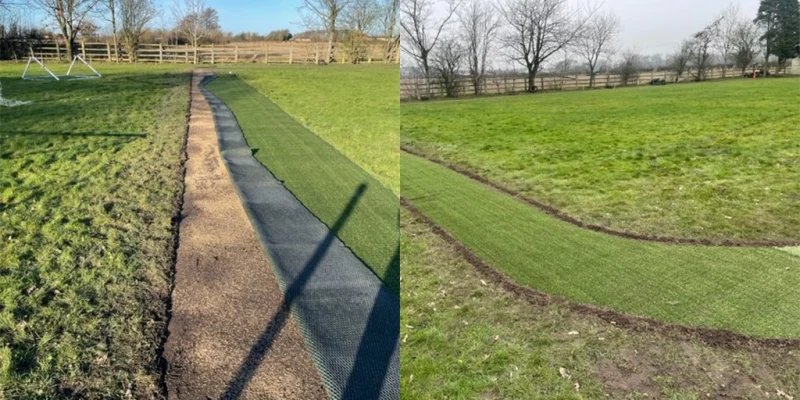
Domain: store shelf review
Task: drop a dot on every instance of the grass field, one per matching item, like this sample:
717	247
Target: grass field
320	176
467	339
89	185
749	290
717	160
353	107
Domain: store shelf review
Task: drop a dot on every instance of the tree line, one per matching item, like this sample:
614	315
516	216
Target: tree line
448	40
131	22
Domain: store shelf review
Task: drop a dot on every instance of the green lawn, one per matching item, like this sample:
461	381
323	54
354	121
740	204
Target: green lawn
353	107
749	290
467	339
714	160
89	185
320	176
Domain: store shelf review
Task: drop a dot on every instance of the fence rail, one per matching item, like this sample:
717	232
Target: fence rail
264	52
415	88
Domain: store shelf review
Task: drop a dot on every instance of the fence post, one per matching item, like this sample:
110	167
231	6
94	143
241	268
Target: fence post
266	54
316	54
58	50
212	54
186	54
236	54
83	49
160	53
108	51
291	52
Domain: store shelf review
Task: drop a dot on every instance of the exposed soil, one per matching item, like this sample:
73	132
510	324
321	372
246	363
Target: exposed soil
597	228
713	337
225	294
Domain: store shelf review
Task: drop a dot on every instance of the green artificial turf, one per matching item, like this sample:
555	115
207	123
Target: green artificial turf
89	186
321	177
465	337
355	108
749	290
716	160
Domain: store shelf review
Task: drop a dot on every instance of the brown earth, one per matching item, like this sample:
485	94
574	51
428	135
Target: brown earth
225	295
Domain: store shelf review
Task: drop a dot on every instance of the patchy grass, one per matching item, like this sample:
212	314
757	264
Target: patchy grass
89	185
462	339
353	107
320	176
749	290
717	160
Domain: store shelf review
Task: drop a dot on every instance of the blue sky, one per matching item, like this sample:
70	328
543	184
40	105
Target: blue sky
259	16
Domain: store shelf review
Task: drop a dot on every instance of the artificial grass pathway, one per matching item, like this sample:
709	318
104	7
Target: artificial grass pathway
748	290
321	177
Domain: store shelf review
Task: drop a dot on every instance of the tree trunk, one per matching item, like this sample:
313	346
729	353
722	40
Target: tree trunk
532	69
591	78
331	49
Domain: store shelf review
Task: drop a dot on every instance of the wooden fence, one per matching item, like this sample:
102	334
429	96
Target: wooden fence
265	52
411	88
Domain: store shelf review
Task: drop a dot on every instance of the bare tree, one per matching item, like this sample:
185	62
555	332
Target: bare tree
195	21
447	61
323	14
390	28
746	44
729	21
134	16
360	18
421	30
537	30
680	60
629	66
702	42
595	40
107	10
69	16
478	26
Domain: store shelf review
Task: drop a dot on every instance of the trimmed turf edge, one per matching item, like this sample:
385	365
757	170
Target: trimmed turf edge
710	336
556	213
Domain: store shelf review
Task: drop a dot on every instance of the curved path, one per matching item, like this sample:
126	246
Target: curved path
750	290
598	228
225	295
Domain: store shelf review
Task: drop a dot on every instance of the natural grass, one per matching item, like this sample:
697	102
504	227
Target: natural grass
467	339
749	290
321	177
89	184
716	160
353	107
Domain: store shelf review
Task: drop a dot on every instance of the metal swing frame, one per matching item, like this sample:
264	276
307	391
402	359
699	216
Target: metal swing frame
56	77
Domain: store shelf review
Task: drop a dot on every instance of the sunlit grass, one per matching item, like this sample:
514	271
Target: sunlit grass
716	160
89	185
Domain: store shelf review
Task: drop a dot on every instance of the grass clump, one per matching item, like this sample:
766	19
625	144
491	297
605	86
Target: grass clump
716	160
89	185
749	290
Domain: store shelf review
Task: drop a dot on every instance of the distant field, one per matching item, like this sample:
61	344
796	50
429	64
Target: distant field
353	107
748	290
717	160
89	186
321	177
